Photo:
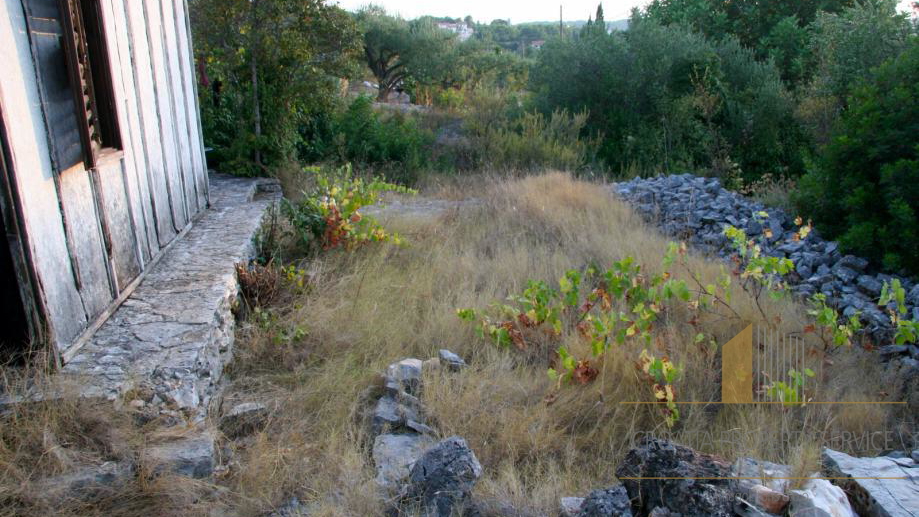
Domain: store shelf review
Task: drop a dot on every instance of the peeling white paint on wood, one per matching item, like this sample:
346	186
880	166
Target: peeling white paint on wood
92	233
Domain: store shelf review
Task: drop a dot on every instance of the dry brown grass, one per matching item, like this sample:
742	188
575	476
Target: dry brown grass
316	356
380	304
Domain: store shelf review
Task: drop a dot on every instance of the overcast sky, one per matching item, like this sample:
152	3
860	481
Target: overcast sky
516	10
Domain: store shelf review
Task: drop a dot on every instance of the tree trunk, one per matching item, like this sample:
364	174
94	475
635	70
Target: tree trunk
253	68
256	111
383	93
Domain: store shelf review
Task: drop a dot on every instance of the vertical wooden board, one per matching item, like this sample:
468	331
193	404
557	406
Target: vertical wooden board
167	125
136	192
195	137
81	221
111	193
153	170
177	95
34	178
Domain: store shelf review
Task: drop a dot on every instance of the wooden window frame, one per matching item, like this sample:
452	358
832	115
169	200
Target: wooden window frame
89	69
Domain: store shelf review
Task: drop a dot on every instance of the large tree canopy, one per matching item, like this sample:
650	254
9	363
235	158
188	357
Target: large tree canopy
273	59
395	49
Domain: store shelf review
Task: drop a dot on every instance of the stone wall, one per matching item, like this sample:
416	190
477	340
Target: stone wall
697	209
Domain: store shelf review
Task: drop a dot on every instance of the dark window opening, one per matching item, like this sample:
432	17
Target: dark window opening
75	76
14	327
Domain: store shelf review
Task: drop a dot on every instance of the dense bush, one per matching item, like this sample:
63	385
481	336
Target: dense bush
665	98
533	142
865	187
392	143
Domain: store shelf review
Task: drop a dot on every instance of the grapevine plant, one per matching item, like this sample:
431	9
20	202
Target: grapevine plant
624	303
328	215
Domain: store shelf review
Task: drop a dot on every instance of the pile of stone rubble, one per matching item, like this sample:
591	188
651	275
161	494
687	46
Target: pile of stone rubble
416	473
697	209
661	479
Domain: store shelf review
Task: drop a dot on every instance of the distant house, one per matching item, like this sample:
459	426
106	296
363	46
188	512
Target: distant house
537	44
101	158
461	29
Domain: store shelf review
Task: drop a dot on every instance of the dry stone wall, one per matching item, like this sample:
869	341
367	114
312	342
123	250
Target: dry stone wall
697	209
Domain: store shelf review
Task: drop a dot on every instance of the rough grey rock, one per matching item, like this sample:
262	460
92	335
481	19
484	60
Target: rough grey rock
391	415
819	498
394	455
607	502
846	275
663	512
870	285
173	335
85	483
696	210
407	373
877	497
770	474
913	296
853	262
570	506
766	499
655	458
451	361
915	456
192	456
744	508
244	419
893	349
443	477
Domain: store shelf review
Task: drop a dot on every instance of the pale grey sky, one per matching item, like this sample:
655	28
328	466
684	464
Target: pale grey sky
516	10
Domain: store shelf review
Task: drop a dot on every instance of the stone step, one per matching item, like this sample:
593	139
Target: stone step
169	341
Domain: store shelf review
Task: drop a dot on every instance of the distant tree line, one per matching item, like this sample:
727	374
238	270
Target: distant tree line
822	93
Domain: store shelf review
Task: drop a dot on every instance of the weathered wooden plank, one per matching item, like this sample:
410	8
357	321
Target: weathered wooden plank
84	233
111	194
136	192
31	163
152	168
195	137
177	95
162	86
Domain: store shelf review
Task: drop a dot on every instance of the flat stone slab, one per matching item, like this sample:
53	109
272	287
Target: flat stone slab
878	487
394	455
169	341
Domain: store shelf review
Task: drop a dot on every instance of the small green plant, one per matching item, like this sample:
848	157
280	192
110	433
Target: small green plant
605	309
829	328
329	214
662	374
894	295
790	394
761	274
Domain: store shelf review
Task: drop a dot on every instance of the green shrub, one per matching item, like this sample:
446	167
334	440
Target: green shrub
393	143
864	188
665	98
504	137
328	214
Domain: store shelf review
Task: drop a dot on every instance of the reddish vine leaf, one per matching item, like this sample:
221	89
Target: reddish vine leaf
515	335
584	373
525	321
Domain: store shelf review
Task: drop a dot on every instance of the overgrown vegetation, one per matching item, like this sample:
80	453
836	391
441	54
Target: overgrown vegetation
368	308
327	216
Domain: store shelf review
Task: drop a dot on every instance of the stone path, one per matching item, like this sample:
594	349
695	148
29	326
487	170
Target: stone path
169	341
